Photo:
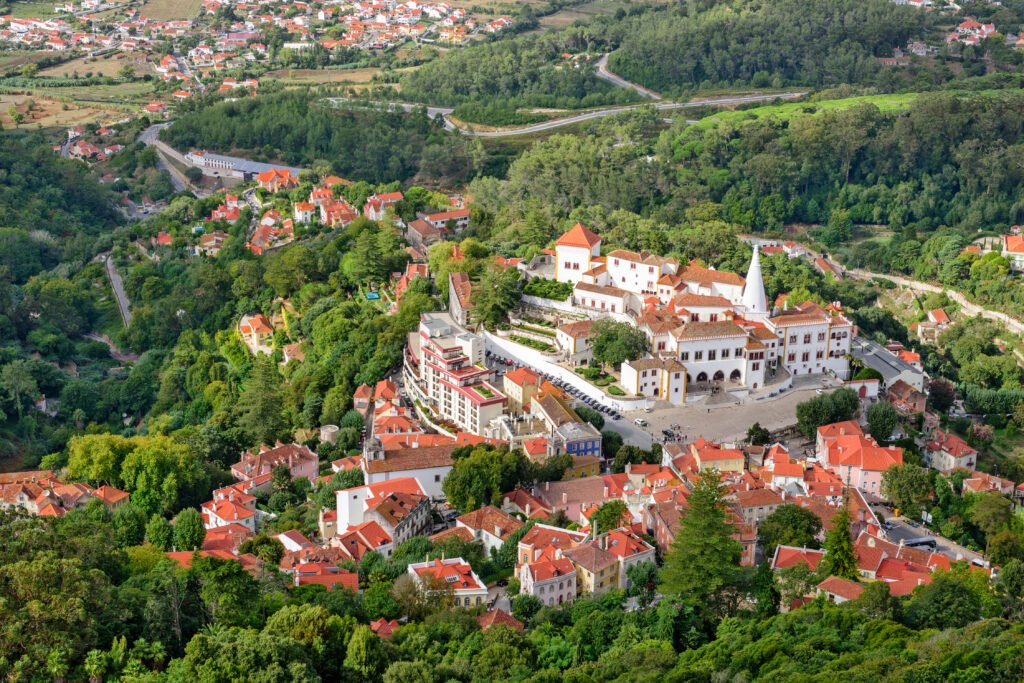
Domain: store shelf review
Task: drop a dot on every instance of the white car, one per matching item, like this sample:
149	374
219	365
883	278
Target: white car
640	422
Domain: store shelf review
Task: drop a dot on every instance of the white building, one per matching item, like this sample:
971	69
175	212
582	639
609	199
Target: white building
575	252
444	367
551	578
454	575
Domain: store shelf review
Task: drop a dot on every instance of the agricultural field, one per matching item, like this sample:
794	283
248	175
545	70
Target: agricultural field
495	8
13	60
165	10
45	113
97	66
589	10
313	76
119	94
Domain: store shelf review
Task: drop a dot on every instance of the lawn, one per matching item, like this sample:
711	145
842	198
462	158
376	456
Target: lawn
163	10
885	103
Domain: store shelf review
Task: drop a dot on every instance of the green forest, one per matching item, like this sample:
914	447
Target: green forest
358	143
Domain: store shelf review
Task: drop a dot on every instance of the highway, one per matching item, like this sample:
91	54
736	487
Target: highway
578	118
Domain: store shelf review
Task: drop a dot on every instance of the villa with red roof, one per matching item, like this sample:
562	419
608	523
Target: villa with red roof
947	451
489	526
376	206
453	575
300	461
399	505
276	179
859	461
551	578
257	333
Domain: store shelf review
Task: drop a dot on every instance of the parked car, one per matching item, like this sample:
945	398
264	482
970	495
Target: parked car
640	422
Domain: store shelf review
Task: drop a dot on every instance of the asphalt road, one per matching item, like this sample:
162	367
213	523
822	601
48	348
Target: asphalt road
901	531
604	74
579	118
118	286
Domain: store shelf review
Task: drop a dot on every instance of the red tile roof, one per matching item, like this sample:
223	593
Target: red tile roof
578	236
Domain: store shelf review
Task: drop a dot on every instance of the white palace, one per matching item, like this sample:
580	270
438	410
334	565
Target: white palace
707	328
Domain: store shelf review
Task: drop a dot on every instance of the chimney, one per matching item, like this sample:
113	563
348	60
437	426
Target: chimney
565	498
498	531
606	492
527	510
547	485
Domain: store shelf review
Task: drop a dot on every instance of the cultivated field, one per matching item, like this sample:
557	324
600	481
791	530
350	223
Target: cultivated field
311	76
164	10
589	10
41	113
97	66
495	8
14	59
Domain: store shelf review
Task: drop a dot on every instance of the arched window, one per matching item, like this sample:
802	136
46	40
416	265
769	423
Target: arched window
735	376
719	376
702	377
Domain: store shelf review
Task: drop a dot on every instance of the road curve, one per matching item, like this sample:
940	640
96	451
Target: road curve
605	75
578	118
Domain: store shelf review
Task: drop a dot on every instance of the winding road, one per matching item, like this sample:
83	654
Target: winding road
577	118
605	75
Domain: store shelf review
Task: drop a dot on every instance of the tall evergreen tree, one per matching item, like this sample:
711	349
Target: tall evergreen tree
261	405
702	565
840	558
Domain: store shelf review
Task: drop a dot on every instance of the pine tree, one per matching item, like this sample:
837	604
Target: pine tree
261	405
840	558
703	563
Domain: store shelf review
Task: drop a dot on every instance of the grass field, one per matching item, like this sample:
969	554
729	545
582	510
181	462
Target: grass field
886	103
102	66
122	93
49	113
163	10
29	10
494	8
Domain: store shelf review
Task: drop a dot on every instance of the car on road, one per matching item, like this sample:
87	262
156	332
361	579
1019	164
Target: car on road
640	422
668	433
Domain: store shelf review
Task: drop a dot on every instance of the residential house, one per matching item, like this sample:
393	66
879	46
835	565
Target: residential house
520	385
551	578
300	461
257	333
277	179
399	505
947	451
489	526
906	399
454	576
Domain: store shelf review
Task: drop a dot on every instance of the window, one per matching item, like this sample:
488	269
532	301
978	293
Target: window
725	353
661	344
821	354
437	478
792	339
712	354
685	355
805	356
807	339
791	357
821	336
755	366
698	355
739	352
713	317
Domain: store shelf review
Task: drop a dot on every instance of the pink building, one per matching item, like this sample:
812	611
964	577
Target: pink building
301	462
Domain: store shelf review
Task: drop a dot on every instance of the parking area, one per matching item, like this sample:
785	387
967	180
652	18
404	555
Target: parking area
729	422
900	529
